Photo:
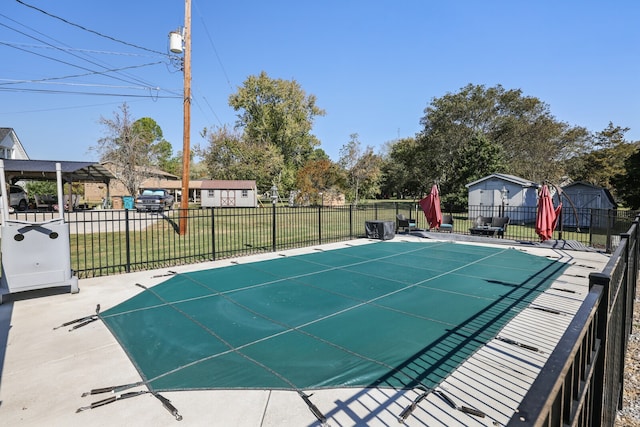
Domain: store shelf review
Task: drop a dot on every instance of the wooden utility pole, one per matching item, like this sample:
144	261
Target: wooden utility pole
186	136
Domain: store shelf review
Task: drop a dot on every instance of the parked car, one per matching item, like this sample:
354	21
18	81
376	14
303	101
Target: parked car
18	198
155	199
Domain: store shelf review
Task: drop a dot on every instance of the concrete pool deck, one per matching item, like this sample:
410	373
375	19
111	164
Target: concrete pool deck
45	371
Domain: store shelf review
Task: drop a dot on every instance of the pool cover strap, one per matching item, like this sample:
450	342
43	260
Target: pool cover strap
165	402
82	321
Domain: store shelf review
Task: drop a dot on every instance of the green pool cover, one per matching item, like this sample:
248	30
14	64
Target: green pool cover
389	314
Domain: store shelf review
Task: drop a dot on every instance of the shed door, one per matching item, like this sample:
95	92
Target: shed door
227	198
490	201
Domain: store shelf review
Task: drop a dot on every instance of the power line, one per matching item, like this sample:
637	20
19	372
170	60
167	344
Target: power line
88	29
214	113
204	24
74	49
3	89
58	60
9	82
75	107
129	77
95	85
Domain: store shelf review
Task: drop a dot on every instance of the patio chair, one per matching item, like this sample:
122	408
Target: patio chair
483	221
44	201
447	223
501	223
405	223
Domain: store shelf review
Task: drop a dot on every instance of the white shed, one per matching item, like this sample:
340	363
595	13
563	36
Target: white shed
488	196
228	194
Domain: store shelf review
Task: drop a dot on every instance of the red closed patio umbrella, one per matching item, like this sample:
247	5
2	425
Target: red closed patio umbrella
431	207
547	215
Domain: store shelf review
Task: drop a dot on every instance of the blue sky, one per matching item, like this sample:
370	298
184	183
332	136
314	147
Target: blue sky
374	66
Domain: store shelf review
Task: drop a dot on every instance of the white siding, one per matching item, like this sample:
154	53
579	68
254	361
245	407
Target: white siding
244	198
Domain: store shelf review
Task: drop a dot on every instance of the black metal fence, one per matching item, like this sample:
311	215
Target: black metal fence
596	228
107	242
582	382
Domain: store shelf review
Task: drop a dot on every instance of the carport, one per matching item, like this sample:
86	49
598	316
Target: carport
45	170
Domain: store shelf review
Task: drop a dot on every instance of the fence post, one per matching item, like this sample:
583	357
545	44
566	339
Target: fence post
591	227
351	221
273	228
636	254
127	239
609	249
320	224
602	330
627	305
213	234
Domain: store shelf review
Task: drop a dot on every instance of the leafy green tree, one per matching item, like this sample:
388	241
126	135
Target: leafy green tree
41	188
606	159
230	155
626	183
479	158
278	113
531	140
362	168
370	174
165	160
319	154
402	176
160	150
132	146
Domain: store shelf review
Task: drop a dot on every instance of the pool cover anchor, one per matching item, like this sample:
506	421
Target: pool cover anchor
111	399
165	402
519	344
313	408
425	392
465	409
412	406
168	273
113	389
82	321
168	406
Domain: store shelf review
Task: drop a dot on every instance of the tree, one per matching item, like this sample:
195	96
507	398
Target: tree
479	158
277	112
231	156
362	169
402	176
131	146
531	140
606	159
319	176
165	159
626	183
160	150
41	188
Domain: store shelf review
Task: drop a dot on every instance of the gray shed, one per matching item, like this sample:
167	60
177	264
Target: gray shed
586	198
488	196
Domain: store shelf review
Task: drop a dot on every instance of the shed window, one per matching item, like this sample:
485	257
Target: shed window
211	193
245	193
